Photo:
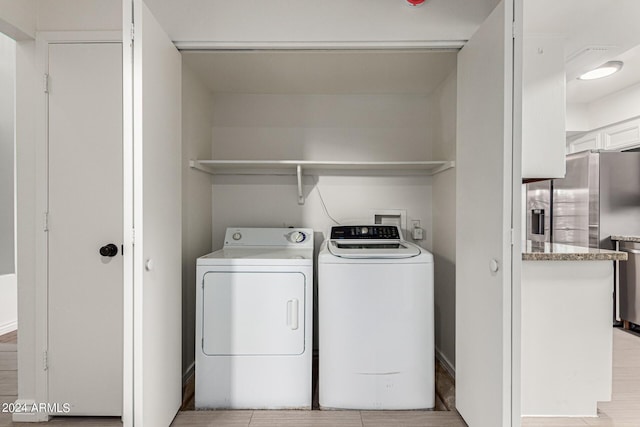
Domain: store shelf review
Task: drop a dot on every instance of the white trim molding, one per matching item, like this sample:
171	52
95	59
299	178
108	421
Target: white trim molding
439	45
446	363
8	327
28	417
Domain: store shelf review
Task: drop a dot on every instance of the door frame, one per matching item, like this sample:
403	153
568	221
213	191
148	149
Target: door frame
516	212
511	316
41	161
126	36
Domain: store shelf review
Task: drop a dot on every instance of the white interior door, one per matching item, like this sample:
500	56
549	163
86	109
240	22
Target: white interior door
85	213
484	215
157	318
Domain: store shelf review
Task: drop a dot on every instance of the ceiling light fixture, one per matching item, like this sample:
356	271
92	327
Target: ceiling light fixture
604	70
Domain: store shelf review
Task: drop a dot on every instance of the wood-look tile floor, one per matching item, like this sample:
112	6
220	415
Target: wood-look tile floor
622	411
8	373
319	418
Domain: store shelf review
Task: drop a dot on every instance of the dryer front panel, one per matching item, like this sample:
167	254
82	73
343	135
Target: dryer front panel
253	313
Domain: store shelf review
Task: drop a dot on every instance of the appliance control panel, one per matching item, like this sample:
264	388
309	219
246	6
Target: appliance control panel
275	237
370	232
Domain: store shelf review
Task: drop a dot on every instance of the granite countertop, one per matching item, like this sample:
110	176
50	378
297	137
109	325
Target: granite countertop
538	251
626	238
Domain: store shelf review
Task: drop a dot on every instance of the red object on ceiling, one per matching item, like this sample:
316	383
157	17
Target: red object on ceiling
415	2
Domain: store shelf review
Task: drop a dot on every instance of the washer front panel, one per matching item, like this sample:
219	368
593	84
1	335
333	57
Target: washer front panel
376	344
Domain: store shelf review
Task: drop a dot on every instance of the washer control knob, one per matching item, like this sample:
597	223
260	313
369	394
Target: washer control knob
297	237
237	236
364	230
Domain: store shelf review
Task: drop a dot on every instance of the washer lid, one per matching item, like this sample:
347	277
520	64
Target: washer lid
372	249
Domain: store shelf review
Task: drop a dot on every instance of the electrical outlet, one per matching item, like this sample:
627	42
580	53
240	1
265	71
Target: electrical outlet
417	234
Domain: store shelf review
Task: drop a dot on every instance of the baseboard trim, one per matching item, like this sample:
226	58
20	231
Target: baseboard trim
187	374
446	363
8	327
28	417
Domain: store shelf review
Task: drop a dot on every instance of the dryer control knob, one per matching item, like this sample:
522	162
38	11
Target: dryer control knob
364	230
237	236
297	237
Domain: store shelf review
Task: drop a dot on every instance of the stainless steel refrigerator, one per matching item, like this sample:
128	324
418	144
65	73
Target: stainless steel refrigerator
599	197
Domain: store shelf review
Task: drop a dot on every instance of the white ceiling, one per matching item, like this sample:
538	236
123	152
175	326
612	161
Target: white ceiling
250	23
322	72
609	26
585	91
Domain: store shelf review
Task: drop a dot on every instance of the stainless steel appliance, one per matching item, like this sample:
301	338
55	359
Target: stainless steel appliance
630	283
599	197
539	196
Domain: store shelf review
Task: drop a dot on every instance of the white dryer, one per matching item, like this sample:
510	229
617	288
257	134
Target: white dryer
375	320
254	304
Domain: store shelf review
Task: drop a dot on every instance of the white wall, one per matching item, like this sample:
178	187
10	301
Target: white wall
271	201
79	15
18	18
8	303
7	115
326	21
577	117
196	199
613	108
320	127
8	283
444	224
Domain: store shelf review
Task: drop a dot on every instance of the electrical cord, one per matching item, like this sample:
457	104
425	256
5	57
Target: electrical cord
324	207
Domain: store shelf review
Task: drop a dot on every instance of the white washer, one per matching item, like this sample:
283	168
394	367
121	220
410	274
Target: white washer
376	321
254	304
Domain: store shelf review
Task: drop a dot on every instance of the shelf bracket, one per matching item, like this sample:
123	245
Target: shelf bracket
444	167
194	165
299	176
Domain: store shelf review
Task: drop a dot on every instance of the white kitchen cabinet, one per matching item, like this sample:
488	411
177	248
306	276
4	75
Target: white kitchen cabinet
566	372
621	136
617	137
588	141
543	107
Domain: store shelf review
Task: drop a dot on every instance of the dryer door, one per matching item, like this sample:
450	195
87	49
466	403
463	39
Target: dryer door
253	313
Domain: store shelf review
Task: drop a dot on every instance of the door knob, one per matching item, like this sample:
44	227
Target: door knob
109	250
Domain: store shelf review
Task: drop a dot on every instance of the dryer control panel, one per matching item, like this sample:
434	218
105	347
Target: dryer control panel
301	238
371	232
